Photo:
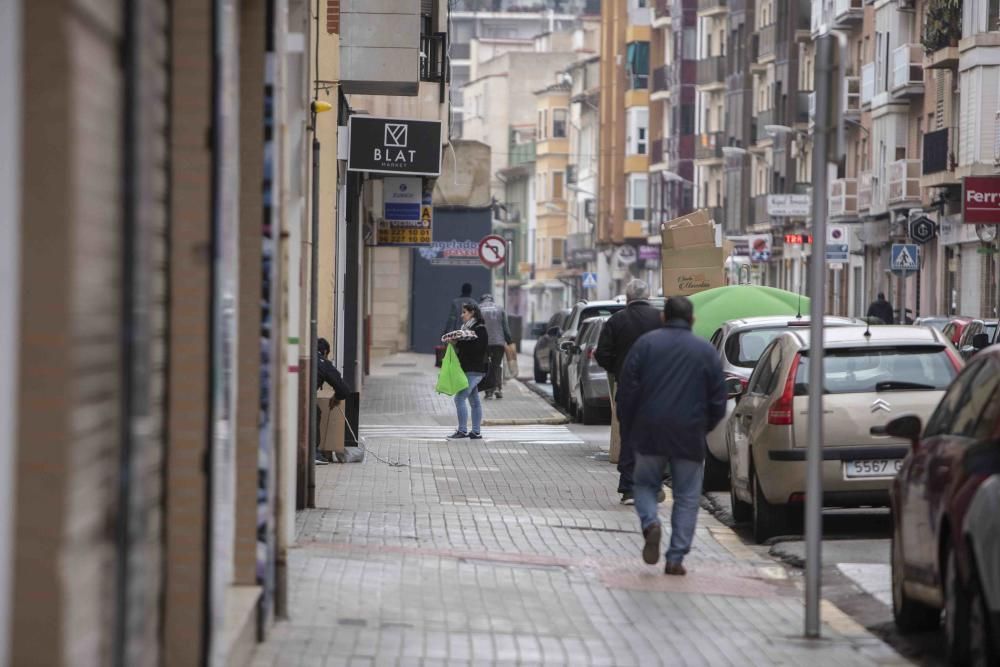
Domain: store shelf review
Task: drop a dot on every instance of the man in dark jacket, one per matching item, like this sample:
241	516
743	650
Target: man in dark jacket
327	373
671	394
617	337
455	314
881	309
498	329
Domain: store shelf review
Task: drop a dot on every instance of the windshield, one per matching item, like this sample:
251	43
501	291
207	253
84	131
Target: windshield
859	371
744	348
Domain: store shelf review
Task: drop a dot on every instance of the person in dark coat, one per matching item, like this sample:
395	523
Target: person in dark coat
327	373
471	350
882	309
671	393
617	337
498	329
455	314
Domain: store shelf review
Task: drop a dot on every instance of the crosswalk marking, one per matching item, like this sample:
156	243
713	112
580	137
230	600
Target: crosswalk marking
540	434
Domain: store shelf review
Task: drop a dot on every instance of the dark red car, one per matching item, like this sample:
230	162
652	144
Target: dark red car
934	547
953	330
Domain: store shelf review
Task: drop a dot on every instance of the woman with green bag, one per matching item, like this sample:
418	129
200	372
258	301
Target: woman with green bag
470	344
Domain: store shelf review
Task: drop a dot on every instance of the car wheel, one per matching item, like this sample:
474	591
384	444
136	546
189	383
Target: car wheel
716	474
956	612
982	647
910	615
742	512
768	520
540	375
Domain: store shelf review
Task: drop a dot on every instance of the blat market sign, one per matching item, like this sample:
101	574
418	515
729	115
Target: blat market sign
394	146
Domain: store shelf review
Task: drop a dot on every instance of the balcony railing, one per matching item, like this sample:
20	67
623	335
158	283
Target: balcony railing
709	146
638	81
661	9
851	96
658	151
768	36
907	67
867	83
844	198
904	181
940	150
802	111
707	6
433	57
864	191
764	118
846	12
523	153
661	78
711	70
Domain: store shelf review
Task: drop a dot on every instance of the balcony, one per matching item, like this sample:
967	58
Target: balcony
711	7
712	71
765	118
521	154
940	158
907	71
844	198
847	13
864	192
850	97
709	146
904	182
942	31
768	36
658	152
803	113
661	10
867	83
812	108
661	79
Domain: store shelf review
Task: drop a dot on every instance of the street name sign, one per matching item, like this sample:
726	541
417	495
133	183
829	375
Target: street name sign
395	146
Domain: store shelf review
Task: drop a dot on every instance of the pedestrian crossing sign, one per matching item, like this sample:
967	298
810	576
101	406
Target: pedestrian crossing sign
904	257
589	280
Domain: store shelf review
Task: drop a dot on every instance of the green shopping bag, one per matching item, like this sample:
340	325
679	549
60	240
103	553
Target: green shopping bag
451	379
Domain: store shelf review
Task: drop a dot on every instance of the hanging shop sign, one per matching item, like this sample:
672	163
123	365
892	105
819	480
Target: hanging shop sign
789	206
407	212
981	200
399	146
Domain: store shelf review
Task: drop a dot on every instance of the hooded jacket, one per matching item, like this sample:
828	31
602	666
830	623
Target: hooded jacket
495	320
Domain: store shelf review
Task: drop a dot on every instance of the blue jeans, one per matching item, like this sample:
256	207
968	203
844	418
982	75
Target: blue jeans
687	478
471	394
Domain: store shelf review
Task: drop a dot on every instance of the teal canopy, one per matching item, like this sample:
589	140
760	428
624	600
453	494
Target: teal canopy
715	306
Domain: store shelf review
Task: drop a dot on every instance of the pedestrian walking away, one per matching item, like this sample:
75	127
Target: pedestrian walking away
671	393
328	374
617	337
455	313
882	309
471	347
498	330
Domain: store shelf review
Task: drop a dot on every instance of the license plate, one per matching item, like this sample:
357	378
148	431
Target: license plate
872	468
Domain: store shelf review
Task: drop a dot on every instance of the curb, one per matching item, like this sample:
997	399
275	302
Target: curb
544	421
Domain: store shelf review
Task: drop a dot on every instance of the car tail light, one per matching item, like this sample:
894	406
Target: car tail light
590	353
781	413
797	498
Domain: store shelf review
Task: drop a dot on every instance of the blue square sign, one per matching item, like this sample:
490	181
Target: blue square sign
905	257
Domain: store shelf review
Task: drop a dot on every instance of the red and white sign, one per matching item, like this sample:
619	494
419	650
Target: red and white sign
493	250
981	200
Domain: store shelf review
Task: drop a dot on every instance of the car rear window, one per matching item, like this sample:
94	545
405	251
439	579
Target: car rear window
991	330
865	370
598	312
745	347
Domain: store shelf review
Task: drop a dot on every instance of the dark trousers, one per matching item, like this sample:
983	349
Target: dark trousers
626	467
496	353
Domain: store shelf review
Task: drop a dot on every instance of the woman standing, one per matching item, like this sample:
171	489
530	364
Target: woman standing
471	350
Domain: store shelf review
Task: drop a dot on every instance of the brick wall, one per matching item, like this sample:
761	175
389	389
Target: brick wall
189	328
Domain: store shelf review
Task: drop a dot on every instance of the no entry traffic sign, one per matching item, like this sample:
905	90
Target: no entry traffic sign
493	250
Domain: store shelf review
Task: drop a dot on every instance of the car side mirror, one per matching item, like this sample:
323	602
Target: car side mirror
980	341
907	426
568	346
735	389
554	332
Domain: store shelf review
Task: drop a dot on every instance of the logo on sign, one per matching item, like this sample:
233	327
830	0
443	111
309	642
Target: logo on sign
881	405
395	135
922	229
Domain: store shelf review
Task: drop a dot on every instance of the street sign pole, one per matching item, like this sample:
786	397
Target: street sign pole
817	266
506	266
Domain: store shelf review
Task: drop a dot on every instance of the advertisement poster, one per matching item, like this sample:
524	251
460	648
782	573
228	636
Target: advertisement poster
407	212
760	247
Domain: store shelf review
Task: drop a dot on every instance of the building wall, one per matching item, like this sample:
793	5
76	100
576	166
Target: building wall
611	202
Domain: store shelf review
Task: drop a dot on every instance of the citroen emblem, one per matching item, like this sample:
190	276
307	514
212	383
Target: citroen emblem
881	404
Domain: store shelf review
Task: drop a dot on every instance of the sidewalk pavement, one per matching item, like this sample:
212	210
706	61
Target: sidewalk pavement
514	550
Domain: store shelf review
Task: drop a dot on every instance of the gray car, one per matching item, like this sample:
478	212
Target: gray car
740	344
545	345
590	396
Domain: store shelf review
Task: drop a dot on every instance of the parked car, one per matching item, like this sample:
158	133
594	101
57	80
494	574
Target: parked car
590	396
976	336
740	344
953	330
946	523
558	365
869	376
545	344
938	322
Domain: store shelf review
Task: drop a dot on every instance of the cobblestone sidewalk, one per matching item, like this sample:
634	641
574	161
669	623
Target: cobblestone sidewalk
514	550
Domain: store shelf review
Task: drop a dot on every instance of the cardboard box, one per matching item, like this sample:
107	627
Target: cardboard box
330	425
694	257
694	229
685	282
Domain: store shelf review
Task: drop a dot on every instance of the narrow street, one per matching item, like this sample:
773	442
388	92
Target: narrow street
515	550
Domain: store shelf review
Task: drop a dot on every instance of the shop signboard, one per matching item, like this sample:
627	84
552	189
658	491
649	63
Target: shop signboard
394	146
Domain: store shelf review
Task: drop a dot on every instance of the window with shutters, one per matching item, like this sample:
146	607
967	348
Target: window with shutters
333	17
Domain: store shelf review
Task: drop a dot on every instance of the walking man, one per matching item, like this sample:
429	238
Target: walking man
881	309
617	337
498	331
671	393
455	314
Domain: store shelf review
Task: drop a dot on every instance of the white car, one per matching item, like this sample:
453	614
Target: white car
740	343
